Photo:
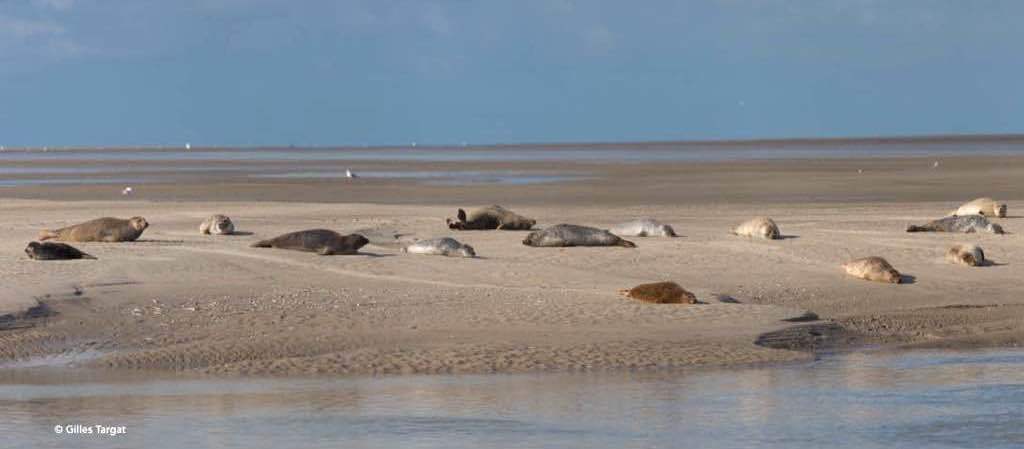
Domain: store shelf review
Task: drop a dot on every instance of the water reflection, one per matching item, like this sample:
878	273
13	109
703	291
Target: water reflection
920	399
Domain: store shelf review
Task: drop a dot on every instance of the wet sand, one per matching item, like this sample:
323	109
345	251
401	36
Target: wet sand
177	300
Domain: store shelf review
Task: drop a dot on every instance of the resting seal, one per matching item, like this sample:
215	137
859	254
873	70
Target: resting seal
490	217
575	235
644	227
321	241
966	224
760	227
99	230
982	206
661	293
217	225
872	269
445	246
54	251
966	254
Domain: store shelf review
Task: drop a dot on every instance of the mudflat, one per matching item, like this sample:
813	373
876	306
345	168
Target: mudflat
178	300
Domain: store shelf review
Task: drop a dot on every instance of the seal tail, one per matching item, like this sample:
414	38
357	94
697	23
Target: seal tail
88	256
915	228
261	244
627	244
47	234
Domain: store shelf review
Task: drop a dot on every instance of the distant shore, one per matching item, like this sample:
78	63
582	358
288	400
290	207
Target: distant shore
177	300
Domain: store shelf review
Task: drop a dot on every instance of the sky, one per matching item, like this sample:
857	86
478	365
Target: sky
393	72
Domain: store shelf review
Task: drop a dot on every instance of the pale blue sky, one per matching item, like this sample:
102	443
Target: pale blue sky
280	72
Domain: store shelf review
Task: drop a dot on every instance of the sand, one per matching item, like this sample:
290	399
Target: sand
177	300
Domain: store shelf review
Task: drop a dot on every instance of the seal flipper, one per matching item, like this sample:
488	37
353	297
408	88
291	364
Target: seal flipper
261	244
88	256
626	243
47	234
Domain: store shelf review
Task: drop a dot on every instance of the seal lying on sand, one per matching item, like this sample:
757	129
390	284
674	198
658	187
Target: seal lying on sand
217	225
644	227
445	246
760	227
661	293
54	251
966	224
966	254
575	235
99	230
982	206
872	269
321	241
490	217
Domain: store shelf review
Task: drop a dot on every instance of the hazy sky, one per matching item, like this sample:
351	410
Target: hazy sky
251	72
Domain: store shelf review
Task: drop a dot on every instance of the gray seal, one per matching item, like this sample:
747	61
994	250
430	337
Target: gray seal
54	251
644	227
104	229
445	246
217	225
965	224
321	241
575	235
490	217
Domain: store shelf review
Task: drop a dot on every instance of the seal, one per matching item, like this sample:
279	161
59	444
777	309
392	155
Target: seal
966	224
966	254
661	293
217	225
575	235
644	227
982	206
321	241
490	217
873	269
99	230
445	246
760	227
54	251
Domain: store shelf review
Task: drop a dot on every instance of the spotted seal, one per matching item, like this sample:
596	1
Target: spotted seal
982	206
661	293
218	225
644	227
445	246
490	217
872	269
54	251
966	254
760	227
575	235
105	229
965	224
321	241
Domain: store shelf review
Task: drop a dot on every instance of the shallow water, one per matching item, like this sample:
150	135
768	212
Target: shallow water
915	399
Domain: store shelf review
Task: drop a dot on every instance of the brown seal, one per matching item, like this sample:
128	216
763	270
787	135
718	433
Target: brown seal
872	269
966	254
661	293
490	217
99	230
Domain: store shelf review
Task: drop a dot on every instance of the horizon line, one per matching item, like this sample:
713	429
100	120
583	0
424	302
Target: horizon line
881	139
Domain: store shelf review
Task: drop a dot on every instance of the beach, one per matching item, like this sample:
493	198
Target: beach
177	300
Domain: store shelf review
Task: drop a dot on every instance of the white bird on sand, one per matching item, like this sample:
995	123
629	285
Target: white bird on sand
188	146
127	191
349	174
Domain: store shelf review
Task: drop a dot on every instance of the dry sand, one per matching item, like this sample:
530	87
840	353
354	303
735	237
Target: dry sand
178	300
